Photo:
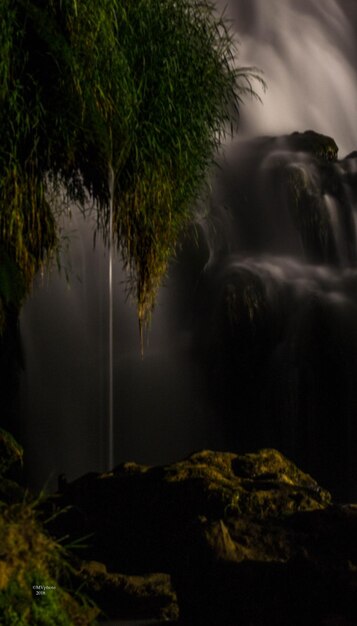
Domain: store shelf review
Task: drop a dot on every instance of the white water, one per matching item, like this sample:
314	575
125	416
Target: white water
333	210
70	407
304	279
307	51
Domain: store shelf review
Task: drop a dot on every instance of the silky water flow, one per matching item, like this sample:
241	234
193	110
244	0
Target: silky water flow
253	340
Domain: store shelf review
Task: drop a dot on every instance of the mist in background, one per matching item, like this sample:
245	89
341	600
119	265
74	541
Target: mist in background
307	51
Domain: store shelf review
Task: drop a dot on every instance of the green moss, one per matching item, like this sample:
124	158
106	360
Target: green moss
262	484
29	557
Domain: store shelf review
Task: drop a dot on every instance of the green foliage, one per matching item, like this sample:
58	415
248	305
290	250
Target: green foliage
29	557
143	88
181	63
10	451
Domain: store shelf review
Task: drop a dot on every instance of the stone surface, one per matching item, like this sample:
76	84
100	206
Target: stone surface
149	596
246	539
321	146
135	509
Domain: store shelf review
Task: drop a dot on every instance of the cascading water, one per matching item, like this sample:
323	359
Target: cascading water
307	50
253	340
277	333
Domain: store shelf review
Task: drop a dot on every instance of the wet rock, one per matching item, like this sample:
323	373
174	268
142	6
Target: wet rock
309	142
279	191
321	146
275	326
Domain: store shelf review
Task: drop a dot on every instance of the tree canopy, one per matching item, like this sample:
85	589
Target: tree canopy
144	89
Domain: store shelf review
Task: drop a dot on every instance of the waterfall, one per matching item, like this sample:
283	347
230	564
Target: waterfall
253	340
307	50
276	328
337	228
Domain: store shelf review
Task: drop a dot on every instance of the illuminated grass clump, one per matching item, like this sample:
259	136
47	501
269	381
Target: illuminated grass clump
143	89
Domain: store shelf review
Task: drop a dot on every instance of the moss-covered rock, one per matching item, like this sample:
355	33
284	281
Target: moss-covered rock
256	485
148	596
321	146
126	509
33	568
280	189
248	539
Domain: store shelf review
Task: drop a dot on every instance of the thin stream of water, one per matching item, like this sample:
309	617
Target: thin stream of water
110	329
304	311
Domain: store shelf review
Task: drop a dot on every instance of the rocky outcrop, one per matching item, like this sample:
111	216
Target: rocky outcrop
309	142
320	146
148	596
246	539
280	192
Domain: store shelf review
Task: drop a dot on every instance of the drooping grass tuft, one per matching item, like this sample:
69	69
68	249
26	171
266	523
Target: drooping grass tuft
148	88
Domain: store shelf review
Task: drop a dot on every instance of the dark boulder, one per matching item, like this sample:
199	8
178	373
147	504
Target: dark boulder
148	596
246	539
321	146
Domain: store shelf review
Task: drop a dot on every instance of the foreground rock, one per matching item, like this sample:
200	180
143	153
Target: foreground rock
246	539
149	596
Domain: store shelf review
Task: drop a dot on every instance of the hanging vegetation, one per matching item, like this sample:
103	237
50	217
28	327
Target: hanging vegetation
145	89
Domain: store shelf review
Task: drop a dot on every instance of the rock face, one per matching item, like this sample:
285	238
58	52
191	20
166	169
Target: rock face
147	596
246	539
320	146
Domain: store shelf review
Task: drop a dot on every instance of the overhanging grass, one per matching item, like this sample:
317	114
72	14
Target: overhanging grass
147	88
